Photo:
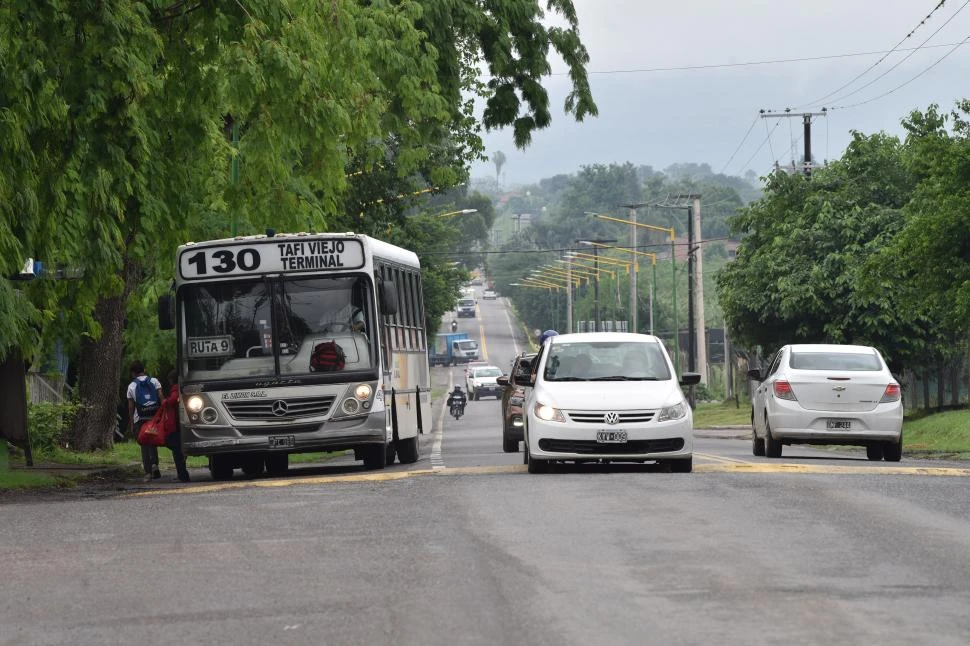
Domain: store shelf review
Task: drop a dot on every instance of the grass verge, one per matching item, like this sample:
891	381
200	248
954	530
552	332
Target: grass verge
720	414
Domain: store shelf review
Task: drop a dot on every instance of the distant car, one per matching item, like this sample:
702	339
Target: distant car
827	394
513	396
489	295
608	396
473	364
481	382
466	307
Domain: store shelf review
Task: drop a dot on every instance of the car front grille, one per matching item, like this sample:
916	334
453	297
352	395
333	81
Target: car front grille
278	409
591	447
597	416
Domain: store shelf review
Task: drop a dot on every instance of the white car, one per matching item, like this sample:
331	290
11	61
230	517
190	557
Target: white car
607	396
827	394
489	295
481	382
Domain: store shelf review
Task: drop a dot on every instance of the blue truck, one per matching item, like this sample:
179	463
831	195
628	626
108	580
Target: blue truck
453	348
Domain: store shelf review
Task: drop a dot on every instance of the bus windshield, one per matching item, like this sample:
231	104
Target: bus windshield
288	326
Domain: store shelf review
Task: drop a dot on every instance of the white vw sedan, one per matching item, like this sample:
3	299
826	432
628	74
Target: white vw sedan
610	397
827	394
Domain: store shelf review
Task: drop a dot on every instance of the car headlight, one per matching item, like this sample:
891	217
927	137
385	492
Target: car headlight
548	413
677	411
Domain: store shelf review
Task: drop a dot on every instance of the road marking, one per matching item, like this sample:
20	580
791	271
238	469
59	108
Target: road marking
751	467
719	458
437	462
481	331
508	319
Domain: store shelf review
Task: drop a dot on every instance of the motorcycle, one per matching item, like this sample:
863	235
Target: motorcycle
457	410
454	326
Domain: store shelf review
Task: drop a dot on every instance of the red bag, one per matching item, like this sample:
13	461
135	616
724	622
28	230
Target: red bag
152	432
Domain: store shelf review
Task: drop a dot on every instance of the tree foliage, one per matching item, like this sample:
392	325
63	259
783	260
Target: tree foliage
120	118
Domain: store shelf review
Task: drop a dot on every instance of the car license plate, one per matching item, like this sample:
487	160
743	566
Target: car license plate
282	441
838	424
611	437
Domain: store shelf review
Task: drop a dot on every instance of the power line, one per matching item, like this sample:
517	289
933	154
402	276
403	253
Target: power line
708	66
881	59
905	58
904	84
777	123
743	139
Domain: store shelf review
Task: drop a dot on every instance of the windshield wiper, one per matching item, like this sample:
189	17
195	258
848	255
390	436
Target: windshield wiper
623	378
566	379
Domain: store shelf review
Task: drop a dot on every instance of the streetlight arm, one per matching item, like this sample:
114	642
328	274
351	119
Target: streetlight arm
667	230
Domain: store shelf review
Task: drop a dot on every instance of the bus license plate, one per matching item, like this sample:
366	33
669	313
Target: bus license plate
611	437
838	424
282	441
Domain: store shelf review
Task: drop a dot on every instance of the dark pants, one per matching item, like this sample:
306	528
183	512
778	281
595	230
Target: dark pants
149	454
174	442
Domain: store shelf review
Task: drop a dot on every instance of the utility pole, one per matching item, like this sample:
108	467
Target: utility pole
701	325
596	279
634	268
569	296
807	130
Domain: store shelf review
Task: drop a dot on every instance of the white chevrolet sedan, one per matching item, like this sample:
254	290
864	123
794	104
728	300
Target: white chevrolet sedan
607	397
827	394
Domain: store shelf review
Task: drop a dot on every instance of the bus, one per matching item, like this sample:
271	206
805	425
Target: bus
296	343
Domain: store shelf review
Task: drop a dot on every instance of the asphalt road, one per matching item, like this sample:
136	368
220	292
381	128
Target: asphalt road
464	547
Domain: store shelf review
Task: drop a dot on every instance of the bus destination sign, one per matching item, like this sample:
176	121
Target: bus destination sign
271	256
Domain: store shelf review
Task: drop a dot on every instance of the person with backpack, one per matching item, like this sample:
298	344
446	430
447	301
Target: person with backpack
144	399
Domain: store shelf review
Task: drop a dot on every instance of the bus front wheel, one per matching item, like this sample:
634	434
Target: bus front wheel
375	456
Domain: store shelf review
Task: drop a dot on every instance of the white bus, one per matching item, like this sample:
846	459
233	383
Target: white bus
294	343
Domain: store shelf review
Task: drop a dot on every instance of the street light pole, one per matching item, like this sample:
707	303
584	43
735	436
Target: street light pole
596	284
634	298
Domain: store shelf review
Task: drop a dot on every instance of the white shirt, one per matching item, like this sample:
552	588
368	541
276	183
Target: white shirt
131	392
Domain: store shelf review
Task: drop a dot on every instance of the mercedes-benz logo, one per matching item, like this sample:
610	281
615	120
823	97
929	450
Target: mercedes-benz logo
279	408
611	418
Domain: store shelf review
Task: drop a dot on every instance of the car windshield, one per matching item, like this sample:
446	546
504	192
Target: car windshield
248	328
468	345
841	361
487	372
606	361
466	302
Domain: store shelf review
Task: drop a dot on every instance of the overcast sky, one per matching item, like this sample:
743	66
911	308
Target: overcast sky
658	118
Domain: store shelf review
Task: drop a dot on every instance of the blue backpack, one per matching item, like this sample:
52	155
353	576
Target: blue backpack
146	397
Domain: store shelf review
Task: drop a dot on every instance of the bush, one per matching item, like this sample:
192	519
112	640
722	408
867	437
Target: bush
48	422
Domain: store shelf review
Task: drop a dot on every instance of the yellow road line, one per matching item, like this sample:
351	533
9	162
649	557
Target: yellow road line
723	467
481	330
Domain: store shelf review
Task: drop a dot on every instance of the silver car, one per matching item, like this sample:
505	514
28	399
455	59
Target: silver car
827	394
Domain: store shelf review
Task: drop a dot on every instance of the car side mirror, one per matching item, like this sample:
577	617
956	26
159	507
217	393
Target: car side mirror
690	379
166	317
503	381
755	374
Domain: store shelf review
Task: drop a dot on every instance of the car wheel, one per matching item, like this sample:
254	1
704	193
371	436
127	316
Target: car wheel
682	466
277	464
772	446
253	466
407	450
374	456
874	451
757	443
510	446
220	468
893	451
538	466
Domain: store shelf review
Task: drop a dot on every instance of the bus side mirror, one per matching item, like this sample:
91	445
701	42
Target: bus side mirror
388	291
166	316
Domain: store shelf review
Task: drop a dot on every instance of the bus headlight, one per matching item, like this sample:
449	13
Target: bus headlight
363	392
209	415
350	406
194	404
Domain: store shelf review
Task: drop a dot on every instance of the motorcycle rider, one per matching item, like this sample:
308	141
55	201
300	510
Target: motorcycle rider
457	398
454	326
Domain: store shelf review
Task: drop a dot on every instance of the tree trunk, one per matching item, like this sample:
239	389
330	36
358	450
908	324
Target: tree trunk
99	370
955	385
940	386
926	391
